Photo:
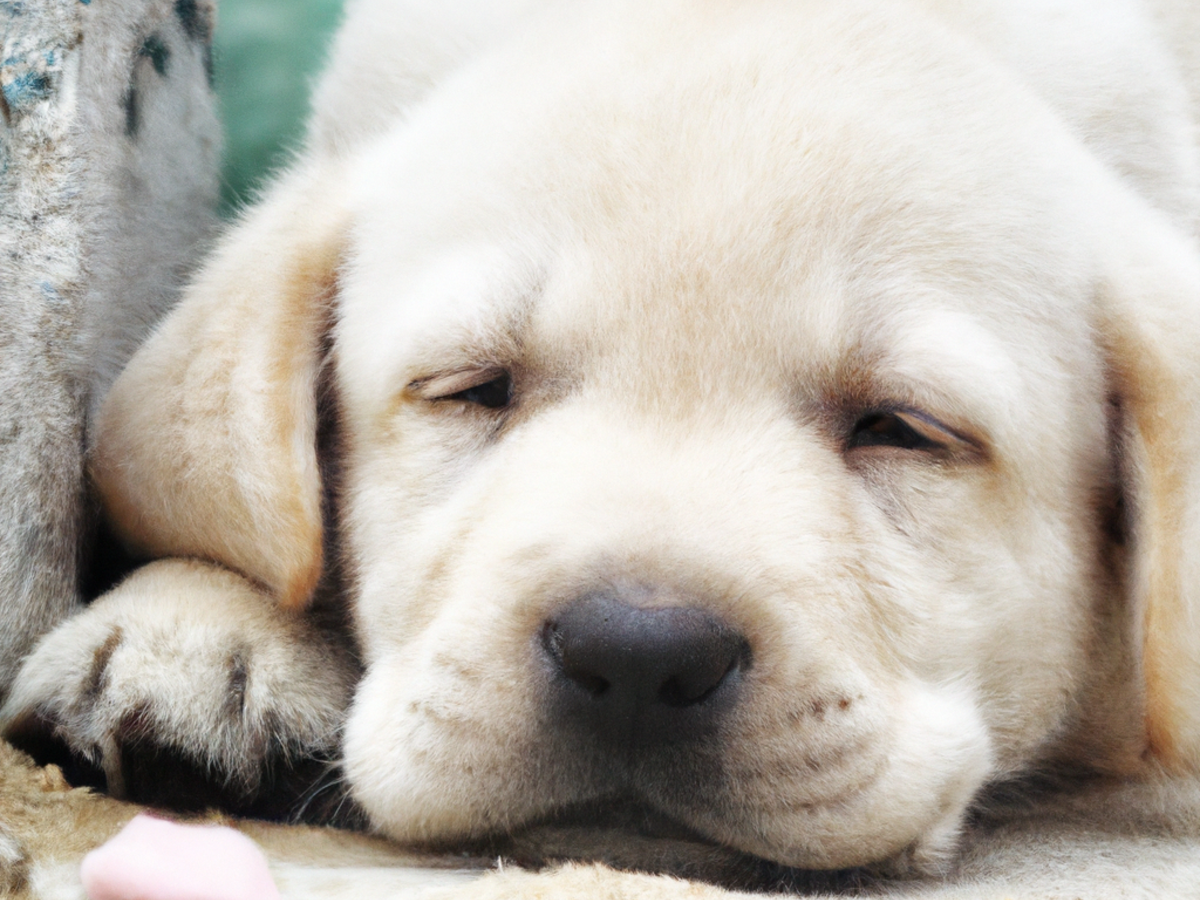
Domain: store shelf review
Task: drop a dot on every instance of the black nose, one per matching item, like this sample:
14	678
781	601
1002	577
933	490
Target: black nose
644	674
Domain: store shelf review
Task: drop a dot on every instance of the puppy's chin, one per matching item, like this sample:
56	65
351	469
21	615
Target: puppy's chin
627	835
894	804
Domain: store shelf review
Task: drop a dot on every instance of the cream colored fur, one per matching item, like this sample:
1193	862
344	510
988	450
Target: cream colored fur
712	245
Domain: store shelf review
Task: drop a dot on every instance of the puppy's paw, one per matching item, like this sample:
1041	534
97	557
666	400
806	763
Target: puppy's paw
187	687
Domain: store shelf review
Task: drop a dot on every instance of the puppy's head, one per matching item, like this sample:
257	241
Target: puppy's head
716	444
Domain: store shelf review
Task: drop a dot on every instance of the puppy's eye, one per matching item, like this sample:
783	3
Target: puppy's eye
489	388
903	430
494	394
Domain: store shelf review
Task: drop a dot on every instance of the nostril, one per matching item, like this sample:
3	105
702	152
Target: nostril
594	684
575	665
698	683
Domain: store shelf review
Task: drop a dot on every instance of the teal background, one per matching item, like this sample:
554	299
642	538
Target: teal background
266	55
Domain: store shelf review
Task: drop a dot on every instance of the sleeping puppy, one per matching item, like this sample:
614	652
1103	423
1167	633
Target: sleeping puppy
766	425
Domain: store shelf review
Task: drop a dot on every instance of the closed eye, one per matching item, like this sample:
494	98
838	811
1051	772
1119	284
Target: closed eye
494	394
903	430
488	388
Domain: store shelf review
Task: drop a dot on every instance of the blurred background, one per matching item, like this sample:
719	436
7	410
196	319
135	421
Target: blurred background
266	55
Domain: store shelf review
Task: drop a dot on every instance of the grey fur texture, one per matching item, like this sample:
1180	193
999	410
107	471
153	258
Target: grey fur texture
109	144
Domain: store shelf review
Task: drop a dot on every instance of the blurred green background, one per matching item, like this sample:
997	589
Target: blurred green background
266	55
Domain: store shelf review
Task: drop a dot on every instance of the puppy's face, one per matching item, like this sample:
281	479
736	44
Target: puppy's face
726	437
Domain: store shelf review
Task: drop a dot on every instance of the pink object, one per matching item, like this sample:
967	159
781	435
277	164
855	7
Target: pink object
153	859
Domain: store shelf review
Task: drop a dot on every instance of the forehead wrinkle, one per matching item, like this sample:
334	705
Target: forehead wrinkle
948	363
492	336
403	320
715	282
767	211
681	316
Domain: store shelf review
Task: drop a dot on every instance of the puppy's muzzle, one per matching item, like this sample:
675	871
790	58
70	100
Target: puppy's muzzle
637	675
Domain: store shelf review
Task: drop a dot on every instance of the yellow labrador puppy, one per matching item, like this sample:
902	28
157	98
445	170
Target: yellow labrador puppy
764	423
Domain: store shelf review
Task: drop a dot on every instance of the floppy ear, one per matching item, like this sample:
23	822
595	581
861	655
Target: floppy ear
206	444
1150	320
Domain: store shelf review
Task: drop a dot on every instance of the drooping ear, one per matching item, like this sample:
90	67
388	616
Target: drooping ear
206	444
1150	320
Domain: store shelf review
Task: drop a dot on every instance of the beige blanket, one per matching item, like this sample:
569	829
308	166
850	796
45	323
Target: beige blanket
1123	842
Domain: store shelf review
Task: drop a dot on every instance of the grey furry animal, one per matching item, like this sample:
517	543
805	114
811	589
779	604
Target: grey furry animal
109	145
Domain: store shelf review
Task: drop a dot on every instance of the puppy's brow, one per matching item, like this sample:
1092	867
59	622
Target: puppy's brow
466	353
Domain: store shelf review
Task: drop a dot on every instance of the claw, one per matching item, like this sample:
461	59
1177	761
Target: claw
110	763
